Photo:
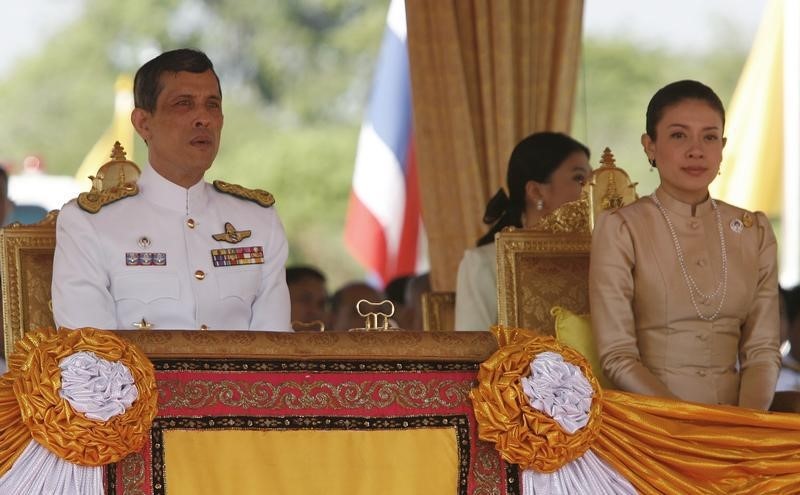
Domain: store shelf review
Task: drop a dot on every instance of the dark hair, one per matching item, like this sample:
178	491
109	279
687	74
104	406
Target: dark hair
3	182
535	158
675	93
336	298
395	290
300	272
147	83
791	302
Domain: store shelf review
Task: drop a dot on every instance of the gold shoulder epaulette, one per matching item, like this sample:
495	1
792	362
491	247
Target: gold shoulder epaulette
115	180
260	196
93	201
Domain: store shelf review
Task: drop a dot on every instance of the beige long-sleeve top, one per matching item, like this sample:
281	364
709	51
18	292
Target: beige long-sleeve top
647	330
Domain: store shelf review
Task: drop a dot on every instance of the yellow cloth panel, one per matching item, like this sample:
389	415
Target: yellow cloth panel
301	462
576	331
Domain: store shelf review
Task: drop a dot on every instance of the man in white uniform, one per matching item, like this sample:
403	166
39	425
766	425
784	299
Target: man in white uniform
180	253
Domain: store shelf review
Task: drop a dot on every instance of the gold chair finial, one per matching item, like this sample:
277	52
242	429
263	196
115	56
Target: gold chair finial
608	160
611	186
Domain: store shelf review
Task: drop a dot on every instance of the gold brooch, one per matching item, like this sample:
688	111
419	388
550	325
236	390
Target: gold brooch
231	234
747	219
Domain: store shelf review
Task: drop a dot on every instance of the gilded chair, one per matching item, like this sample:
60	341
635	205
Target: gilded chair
544	267
26	271
439	311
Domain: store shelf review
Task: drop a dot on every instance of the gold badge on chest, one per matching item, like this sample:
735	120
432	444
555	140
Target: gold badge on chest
231	234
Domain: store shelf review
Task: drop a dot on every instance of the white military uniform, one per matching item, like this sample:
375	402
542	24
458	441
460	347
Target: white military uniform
150	261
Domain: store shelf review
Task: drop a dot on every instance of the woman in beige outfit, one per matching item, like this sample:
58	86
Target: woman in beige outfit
683	288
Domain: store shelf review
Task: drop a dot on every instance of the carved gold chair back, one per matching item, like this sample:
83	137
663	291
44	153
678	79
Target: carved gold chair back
439	311
26	272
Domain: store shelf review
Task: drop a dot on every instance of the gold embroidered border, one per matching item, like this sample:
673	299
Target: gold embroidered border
318	394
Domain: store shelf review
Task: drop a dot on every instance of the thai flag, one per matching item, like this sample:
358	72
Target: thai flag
384	230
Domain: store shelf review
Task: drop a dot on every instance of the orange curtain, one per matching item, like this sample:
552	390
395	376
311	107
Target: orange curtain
484	74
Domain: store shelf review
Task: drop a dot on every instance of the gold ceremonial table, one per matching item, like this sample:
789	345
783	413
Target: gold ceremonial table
301	413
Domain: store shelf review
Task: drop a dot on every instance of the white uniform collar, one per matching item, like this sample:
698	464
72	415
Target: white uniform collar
156	189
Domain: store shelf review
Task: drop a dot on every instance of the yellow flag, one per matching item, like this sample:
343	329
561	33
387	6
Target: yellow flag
120	130
752	162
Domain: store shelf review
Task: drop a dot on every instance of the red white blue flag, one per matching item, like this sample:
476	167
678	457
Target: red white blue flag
384	230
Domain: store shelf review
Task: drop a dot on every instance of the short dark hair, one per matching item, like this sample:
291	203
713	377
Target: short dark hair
301	272
677	92
336	299
791	302
395	290
147	83
3	181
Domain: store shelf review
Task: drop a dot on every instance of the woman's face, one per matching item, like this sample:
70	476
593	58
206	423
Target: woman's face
566	181
687	149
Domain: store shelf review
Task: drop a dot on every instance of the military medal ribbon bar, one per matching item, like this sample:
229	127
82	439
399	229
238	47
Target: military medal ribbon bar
253	255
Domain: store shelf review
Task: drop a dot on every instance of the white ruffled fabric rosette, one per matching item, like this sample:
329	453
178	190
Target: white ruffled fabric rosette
561	391
100	390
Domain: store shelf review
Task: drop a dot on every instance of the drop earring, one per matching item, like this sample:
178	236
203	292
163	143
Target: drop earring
652	163
539	205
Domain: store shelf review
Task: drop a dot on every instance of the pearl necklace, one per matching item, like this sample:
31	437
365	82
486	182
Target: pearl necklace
690	283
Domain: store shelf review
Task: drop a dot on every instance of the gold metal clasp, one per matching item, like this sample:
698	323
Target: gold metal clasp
375	320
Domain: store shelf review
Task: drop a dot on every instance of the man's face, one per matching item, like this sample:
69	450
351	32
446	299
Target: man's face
183	133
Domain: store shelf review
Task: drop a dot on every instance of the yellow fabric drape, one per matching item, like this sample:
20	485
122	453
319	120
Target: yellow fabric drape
659	445
484	74
333	462
15	436
31	407
669	446
752	164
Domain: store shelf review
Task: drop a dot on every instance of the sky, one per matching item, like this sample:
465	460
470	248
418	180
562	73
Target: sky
677	24
674	24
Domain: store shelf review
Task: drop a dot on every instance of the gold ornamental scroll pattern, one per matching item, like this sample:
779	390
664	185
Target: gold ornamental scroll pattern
317	394
574	217
133	474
